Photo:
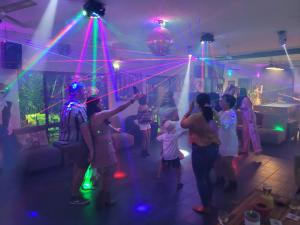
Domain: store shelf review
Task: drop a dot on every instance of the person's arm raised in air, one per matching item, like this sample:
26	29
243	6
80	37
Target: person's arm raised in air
186	121
106	114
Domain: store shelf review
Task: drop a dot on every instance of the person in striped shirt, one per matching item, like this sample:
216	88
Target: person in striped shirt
76	137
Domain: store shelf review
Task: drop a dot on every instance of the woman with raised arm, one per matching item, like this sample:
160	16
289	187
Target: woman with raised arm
104	158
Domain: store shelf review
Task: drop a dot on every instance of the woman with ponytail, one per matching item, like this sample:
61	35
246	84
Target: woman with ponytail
204	139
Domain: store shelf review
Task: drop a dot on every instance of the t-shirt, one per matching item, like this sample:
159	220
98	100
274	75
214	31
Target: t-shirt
227	133
170	145
73	114
200	132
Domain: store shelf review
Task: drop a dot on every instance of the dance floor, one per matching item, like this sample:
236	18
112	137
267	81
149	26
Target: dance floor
43	198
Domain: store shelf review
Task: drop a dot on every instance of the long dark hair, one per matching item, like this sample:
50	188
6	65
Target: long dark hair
242	95
203	101
92	105
230	99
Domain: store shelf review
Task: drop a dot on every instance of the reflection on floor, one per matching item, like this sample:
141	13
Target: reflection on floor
42	199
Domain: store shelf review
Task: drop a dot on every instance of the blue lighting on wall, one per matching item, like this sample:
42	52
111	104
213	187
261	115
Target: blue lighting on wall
229	73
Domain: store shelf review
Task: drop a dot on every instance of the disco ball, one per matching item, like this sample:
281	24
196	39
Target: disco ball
160	41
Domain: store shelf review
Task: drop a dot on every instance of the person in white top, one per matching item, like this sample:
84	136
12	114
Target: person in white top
228	148
144	117
170	151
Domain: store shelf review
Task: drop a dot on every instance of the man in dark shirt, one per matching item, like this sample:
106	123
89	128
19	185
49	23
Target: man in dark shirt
76	138
5	123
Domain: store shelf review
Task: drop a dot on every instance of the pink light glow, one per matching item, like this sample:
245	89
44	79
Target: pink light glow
119	175
65	30
109	60
143	80
83	50
125	87
258	74
202	69
133	70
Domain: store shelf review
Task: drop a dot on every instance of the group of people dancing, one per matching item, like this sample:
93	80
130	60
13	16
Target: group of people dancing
86	136
214	140
86	133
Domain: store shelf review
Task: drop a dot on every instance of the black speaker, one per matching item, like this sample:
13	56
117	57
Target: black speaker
11	55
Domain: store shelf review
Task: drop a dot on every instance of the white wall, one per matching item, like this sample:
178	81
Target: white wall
297	80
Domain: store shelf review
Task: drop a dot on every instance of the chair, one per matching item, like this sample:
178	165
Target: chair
35	151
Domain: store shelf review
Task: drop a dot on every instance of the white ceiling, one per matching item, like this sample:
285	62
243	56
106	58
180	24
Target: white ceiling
239	26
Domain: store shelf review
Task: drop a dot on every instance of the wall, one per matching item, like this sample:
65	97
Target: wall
240	72
7	75
297	80
273	82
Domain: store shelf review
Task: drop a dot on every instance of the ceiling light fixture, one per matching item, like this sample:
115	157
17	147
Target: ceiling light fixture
274	68
282	37
162	23
117	65
207	38
94	9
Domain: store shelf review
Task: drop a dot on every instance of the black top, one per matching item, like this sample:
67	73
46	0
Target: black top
6	114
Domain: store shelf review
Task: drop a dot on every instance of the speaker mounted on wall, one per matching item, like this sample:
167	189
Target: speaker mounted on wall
11	55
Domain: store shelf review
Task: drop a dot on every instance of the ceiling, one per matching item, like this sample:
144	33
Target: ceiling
239	26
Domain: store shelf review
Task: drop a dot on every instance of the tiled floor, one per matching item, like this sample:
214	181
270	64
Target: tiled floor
42	199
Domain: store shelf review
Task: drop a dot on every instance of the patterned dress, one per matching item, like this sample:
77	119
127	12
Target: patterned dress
104	155
250	133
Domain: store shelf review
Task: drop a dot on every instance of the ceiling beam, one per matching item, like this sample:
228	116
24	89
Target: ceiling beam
264	54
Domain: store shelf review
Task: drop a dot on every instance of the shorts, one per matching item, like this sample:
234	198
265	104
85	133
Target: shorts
77	153
145	126
107	170
174	163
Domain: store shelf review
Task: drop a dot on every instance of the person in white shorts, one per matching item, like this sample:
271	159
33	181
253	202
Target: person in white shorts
144	120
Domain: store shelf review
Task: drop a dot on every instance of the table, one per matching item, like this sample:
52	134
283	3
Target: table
237	215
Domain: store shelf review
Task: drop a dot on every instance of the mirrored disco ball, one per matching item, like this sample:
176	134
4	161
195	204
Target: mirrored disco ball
160	41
